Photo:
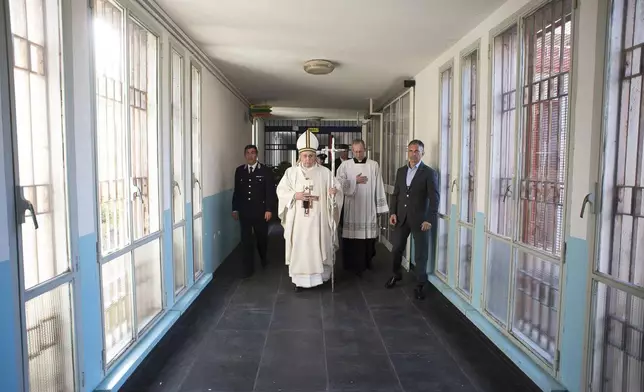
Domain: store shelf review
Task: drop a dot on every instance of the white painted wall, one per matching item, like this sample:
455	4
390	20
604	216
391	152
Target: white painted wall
226	130
585	102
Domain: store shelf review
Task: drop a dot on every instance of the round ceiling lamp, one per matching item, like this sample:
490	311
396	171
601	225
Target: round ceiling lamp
319	67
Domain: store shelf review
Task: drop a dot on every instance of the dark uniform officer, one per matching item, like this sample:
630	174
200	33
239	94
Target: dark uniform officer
253	200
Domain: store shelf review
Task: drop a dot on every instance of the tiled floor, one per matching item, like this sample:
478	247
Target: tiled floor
257	334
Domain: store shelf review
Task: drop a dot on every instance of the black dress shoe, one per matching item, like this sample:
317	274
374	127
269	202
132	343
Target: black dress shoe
297	289
419	293
392	281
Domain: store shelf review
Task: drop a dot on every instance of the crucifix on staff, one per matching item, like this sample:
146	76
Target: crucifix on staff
307	202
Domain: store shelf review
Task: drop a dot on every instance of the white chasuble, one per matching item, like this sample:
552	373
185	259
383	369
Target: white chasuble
362	202
308	237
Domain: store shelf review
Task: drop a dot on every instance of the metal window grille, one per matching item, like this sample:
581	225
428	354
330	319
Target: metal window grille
111	128
502	146
618	352
547	43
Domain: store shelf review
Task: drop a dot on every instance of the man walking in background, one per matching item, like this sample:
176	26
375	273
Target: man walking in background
414	209
253	198
364	199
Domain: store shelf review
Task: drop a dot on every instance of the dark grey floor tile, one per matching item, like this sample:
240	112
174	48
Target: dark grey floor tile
222	375
411	340
254	297
242	318
293	361
231	344
386	298
297	312
435	372
353	342
345	312
398	318
361	373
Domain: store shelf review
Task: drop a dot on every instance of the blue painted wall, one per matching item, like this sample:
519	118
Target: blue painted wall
10	366
221	233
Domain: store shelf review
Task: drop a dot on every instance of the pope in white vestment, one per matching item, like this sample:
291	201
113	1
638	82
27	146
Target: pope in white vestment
364	198
309	209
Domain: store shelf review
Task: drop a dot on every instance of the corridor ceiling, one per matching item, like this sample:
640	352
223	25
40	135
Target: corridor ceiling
261	45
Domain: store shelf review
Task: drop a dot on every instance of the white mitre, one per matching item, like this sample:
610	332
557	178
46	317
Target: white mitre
307	142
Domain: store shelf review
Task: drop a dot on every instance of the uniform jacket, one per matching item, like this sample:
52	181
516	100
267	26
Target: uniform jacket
254	193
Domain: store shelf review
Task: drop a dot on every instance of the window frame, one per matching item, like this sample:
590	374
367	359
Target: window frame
194	64
518	19
460	155
602	223
448	66
133	12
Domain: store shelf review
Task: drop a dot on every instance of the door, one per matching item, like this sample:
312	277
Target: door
46	274
397	132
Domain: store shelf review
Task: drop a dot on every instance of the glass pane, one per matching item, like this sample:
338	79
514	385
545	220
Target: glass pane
179	259
618	357
178	188
147	271
196	141
536	303
502	142
468	137
198	245
144	143
39	138
443	246
446	144
50	341
548	44
465	259
497	286
116	277
111	133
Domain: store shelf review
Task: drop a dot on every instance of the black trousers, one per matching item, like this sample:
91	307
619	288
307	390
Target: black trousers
259	227
357	254
421	251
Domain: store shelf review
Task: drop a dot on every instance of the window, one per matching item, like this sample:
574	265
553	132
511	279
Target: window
469	92
197	192
40	178
618	278
178	183
501	206
524	254
444	166
127	144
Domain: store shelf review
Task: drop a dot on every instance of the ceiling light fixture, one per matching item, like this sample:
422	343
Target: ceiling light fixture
318	67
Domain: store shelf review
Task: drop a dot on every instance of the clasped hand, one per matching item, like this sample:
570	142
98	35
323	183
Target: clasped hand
360	179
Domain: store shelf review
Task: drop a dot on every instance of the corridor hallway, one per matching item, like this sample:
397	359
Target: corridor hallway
257	334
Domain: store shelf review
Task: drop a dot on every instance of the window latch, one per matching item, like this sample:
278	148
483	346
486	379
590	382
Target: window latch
175	184
22	206
588	199
508	190
454	183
